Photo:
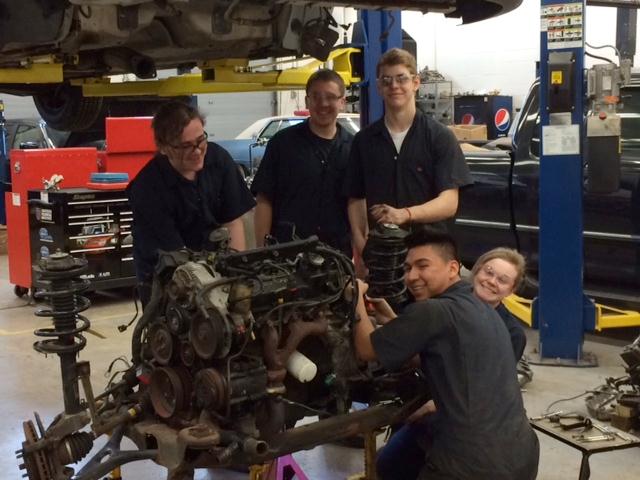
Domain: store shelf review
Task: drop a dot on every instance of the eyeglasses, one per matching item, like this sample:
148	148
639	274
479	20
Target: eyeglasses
504	280
190	147
402	79
319	98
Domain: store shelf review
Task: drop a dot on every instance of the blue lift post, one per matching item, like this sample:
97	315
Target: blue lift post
378	32
562	312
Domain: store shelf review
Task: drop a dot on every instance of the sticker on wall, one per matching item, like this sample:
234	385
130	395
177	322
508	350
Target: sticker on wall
15	200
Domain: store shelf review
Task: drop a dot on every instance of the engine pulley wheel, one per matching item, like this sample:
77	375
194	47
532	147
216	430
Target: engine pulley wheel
210	335
169	391
187	354
210	389
161	343
175	319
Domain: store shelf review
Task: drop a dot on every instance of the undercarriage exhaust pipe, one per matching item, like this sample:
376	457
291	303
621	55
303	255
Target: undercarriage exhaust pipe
123	60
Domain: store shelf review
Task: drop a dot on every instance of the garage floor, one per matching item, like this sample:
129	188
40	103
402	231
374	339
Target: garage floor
32	383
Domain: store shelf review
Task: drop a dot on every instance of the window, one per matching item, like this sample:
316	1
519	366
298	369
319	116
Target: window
29	134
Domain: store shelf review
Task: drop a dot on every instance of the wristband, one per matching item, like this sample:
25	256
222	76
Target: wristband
409	212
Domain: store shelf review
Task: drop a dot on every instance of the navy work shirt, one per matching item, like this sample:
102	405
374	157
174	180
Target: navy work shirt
430	161
480	430
171	212
516	332
303	177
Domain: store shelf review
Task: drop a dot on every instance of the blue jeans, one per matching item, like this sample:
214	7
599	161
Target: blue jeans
403	456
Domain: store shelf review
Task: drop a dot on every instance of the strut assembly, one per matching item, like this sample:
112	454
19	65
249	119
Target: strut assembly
384	256
59	284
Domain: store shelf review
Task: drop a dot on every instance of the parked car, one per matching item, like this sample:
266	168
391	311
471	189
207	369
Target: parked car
94	39
247	149
36	133
501	208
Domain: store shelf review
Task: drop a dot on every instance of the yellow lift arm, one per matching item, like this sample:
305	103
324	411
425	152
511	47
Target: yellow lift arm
218	76
606	317
224	76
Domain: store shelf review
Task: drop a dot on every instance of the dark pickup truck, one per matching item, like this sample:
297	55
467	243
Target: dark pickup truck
501	208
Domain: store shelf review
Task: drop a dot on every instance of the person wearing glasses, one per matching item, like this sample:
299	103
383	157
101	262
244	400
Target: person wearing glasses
496	275
406	168
299	185
187	190
475	427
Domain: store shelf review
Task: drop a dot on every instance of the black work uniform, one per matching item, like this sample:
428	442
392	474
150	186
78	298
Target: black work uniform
171	212
516	332
430	161
480	430
303	176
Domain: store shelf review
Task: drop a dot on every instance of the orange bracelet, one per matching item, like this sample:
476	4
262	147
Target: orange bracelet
409	212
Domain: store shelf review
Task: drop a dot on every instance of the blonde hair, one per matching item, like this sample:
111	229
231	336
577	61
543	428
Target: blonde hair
397	56
508	255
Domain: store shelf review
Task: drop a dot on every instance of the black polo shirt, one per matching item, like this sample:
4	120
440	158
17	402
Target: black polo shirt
516	332
430	161
303	176
171	212
480	428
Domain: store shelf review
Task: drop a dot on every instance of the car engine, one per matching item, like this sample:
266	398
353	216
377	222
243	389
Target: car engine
232	349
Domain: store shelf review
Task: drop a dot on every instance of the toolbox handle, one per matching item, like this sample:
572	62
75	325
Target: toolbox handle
39	203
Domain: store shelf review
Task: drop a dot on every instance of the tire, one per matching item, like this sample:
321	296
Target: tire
64	108
20	291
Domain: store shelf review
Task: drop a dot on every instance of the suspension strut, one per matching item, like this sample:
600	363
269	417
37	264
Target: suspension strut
45	453
58	274
384	256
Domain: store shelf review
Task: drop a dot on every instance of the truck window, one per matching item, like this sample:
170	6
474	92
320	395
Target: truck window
629	112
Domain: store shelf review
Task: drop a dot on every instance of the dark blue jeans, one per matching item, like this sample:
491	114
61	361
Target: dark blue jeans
403	456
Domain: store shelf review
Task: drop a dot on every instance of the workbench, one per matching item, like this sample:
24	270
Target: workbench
571	438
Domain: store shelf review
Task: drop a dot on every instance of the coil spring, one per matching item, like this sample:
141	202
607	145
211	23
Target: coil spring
60	271
384	256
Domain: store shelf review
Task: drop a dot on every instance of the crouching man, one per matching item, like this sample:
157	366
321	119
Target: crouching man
478	428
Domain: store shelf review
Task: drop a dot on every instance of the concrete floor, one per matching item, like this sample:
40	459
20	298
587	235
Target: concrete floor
32	383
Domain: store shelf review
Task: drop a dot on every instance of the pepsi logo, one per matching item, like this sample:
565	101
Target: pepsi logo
468	119
502	119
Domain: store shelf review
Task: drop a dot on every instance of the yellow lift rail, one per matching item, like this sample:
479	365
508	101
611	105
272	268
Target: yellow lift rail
224	76
606	317
219	76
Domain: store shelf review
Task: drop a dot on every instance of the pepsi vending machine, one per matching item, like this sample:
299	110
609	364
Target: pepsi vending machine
494	111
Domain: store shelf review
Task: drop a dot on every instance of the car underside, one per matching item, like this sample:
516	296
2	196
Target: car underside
88	40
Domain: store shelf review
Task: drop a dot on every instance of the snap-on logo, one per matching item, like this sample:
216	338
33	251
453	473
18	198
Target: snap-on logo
502	119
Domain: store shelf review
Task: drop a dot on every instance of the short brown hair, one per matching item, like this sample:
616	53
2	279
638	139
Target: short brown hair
397	56
510	255
171	119
325	75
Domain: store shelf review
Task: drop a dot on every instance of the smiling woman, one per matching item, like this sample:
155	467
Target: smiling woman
496	275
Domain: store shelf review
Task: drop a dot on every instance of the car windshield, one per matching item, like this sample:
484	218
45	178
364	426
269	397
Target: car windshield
351	124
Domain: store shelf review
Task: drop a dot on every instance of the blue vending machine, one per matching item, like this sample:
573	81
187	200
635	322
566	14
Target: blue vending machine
494	111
